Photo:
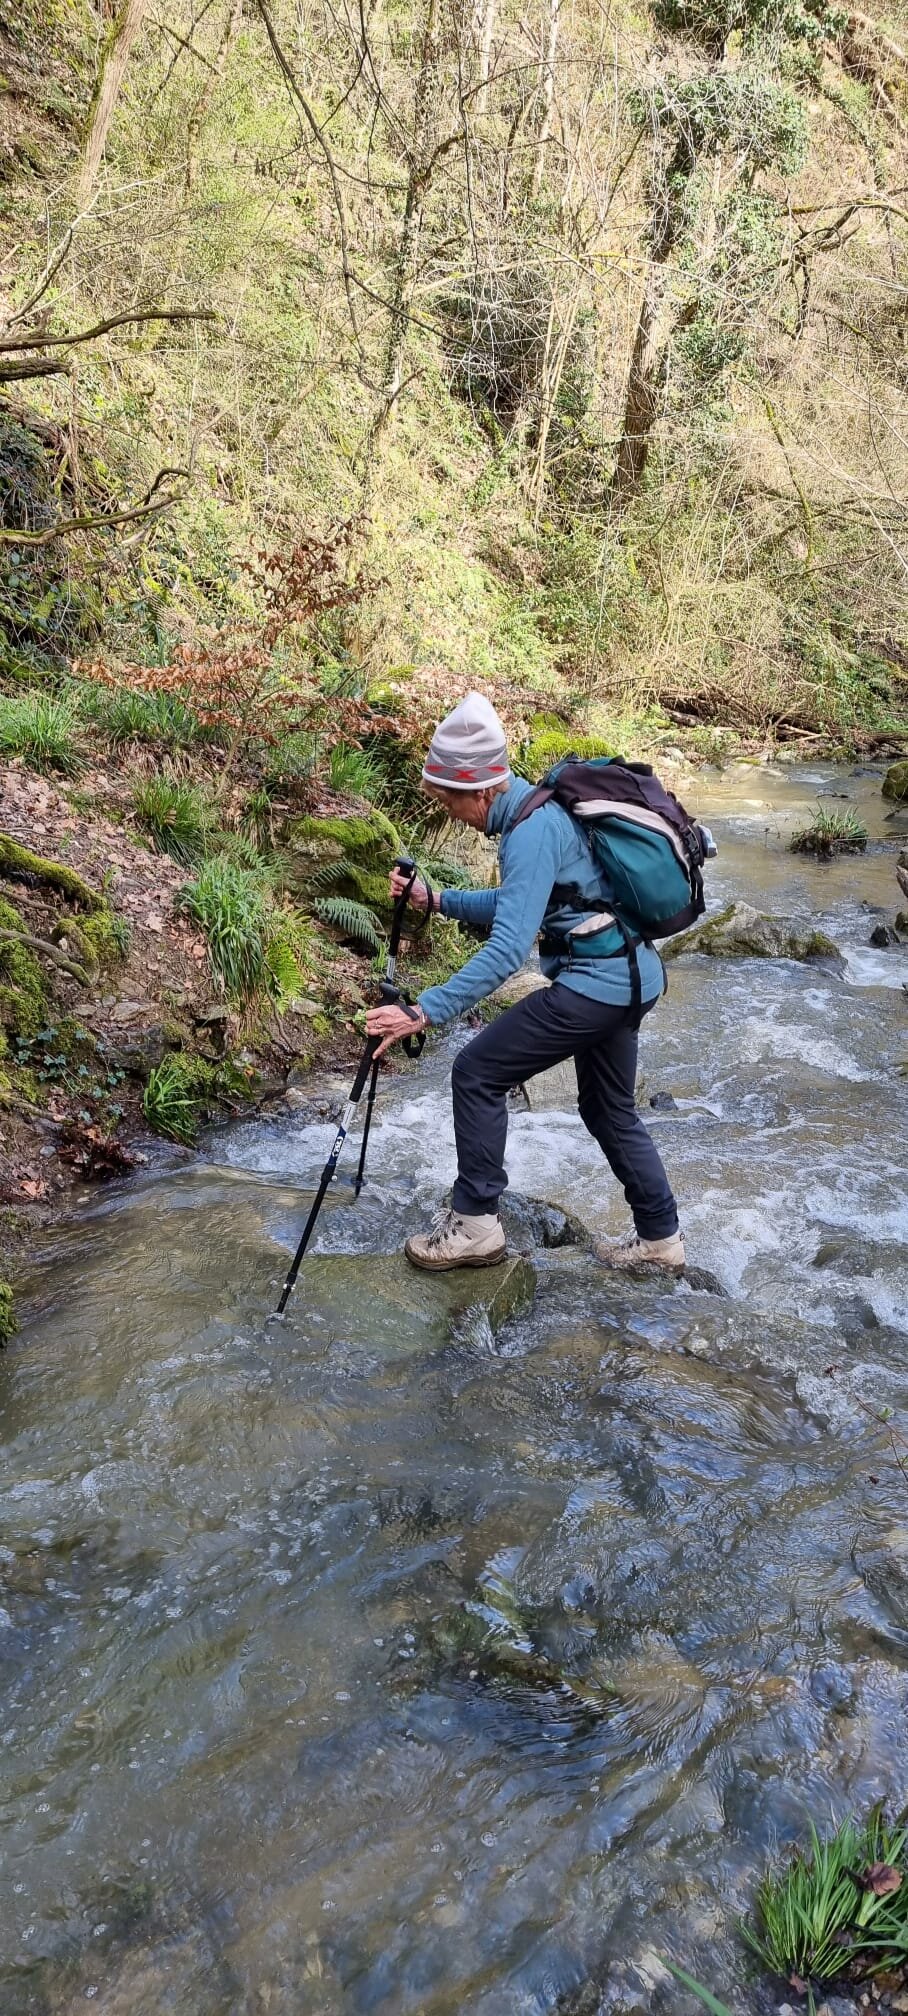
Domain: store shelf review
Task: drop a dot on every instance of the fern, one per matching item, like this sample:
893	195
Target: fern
444	873
323	880
351	918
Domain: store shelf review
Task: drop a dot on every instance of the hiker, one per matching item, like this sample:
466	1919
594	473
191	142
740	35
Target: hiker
549	881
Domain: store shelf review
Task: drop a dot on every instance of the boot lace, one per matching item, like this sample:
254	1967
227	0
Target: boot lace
444	1222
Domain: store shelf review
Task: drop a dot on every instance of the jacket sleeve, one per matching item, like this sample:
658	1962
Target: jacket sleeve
470	906
528	871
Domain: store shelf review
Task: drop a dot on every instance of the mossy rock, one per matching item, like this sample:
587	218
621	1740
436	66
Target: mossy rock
8	1323
23	989
895	782
341	856
739	932
107	936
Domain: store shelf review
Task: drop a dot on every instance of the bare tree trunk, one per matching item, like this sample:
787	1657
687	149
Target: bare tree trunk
547	81
557	348
203	105
406	269
485	27
116	56
651	339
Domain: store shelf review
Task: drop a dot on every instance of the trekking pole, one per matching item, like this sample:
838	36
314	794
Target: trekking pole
391	996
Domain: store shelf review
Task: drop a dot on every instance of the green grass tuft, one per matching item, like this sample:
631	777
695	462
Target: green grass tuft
41	728
834	1902
176	816
125	715
830	833
356	772
230	905
183	1090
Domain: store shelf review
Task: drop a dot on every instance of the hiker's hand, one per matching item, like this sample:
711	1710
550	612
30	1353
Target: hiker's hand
393	1024
419	894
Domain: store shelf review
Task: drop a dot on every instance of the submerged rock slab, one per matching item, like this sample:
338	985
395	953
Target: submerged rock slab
381	1303
740	932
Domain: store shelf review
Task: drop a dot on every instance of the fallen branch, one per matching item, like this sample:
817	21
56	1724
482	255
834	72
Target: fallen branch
149	506
18	863
103	328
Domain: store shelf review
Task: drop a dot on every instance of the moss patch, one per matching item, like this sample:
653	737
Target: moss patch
20	864
8	1323
23	992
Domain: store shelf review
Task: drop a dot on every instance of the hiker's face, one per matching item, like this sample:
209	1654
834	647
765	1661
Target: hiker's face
466	808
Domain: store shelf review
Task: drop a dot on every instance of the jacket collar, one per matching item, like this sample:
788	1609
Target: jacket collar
504	809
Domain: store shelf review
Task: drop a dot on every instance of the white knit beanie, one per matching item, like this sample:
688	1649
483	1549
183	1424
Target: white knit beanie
468	749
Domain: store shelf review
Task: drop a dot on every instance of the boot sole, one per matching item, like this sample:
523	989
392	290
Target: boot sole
448	1266
643	1266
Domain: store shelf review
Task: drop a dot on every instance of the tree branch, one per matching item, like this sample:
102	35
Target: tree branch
315	129
49	951
110	322
150	506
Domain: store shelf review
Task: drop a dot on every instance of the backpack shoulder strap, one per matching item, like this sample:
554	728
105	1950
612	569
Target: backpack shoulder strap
540	796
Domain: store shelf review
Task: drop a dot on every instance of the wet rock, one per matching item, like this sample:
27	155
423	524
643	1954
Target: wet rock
664	1102
702	1280
895	782
883	1564
740	932
901	923
527	981
143	1054
380	1303
882	936
529	1223
831	1686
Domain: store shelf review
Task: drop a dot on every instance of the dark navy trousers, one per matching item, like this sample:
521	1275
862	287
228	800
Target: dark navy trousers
544	1029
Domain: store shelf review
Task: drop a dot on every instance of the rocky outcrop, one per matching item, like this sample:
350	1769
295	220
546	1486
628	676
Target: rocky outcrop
739	932
341	856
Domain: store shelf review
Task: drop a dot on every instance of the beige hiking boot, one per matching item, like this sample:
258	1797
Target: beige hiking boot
458	1241
634	1255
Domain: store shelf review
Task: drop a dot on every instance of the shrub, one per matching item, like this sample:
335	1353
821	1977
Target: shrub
830	833
176	816
8	1322
41	728
229	903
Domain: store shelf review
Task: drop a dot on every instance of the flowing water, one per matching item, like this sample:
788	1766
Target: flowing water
389	1661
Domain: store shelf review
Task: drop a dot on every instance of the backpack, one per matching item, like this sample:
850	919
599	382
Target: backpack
648	847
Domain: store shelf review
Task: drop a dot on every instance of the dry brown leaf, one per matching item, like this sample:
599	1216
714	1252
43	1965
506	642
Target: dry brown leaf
881	1878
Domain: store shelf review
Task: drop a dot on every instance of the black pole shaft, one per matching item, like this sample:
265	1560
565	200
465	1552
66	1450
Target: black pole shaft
365	1066
370	1108
367	1063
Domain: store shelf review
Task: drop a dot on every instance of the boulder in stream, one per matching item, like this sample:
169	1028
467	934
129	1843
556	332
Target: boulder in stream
895	782
740	932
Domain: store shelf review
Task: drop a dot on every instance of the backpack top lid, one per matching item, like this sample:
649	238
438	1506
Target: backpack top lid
605	787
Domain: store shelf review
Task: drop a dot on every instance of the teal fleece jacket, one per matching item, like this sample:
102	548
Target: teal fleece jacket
546	849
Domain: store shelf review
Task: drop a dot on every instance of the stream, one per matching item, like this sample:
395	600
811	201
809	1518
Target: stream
416	1657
